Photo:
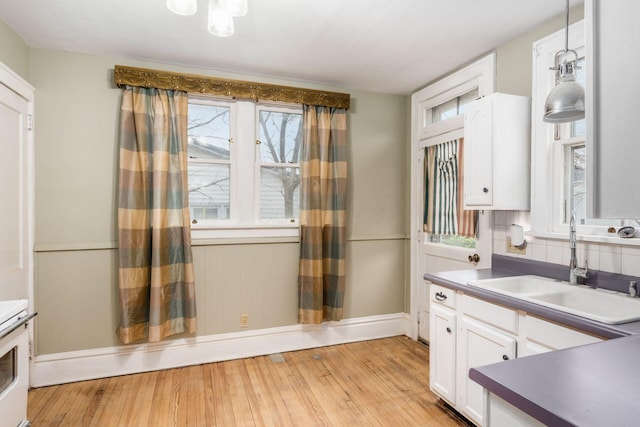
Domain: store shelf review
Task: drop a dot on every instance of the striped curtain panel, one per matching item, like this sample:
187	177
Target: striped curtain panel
444	191
323	191
156	284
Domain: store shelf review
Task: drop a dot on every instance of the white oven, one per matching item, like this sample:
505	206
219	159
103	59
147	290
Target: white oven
14	363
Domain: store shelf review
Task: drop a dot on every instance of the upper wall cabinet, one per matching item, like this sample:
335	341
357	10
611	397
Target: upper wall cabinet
613	88
497	153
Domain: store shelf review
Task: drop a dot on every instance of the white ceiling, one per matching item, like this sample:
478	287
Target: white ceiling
391	46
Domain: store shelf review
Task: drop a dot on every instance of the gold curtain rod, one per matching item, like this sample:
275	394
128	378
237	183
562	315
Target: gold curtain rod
143	77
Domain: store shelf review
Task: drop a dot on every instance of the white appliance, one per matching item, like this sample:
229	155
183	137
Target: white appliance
14	363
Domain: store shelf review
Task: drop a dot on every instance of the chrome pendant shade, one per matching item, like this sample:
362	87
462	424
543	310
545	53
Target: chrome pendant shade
565	102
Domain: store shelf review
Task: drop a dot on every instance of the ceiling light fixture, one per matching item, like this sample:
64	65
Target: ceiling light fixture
565	102
220	14
183	7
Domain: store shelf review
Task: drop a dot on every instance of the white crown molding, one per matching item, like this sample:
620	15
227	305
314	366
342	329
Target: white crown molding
105	362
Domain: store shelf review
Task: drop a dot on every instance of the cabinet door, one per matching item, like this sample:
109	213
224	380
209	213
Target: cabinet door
442	352
478	345
478	153
611	102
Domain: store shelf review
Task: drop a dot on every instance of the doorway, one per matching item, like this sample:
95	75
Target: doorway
438	117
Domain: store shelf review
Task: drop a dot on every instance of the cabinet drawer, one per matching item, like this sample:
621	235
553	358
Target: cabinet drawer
496	315
554	336
442	295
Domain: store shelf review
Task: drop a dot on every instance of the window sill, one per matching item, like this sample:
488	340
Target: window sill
611	240
245	234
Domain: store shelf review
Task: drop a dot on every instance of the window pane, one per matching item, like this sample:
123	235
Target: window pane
209	196
280	137
577	189
577	183
279	188
467	98
445	111
209	132
453	107
452	240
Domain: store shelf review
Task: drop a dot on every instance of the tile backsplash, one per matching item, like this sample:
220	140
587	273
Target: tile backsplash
619	259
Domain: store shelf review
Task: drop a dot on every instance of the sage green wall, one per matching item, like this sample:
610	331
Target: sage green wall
76	260
514	59
14	52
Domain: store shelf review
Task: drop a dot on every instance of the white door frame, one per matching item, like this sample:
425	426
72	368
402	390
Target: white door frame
481	75
17	84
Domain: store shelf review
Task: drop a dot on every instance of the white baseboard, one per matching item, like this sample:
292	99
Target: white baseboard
105	362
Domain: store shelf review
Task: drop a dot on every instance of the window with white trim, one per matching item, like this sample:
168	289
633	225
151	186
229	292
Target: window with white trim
244	171
559	150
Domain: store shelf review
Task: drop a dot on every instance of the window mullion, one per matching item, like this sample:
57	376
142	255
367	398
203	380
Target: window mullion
245	173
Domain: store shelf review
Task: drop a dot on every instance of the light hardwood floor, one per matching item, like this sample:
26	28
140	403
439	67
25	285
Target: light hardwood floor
373	383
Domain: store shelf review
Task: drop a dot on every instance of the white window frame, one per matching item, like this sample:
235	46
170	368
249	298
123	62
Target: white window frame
280	108
244	222
548	181
202	224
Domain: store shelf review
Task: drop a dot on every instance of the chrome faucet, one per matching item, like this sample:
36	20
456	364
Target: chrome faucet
574	270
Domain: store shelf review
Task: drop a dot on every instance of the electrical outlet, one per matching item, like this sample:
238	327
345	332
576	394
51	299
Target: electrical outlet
244	320
516	250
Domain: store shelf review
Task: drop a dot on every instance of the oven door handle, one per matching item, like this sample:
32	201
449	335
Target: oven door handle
15	325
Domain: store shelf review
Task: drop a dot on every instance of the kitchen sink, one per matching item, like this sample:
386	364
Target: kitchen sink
520	285
596	304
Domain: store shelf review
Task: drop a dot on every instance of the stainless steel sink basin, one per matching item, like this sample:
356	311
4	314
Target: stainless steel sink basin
596	304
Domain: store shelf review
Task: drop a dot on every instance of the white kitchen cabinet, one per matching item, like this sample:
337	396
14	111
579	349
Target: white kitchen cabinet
503	414
468	332
487	333
611	101
442	342
543	336
497	153
442	362
463	334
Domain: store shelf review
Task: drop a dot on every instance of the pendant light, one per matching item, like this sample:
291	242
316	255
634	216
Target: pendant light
237	8
220	14
183	7
565	102
220	19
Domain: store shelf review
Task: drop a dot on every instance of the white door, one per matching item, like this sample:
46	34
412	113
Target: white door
15	190
439	257
437	115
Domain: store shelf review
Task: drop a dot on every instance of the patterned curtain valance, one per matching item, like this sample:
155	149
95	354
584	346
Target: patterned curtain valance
143	77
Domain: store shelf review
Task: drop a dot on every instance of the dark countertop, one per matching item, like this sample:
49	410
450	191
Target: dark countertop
591	385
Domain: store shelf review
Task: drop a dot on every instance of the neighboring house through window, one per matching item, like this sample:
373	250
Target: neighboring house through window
244	171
